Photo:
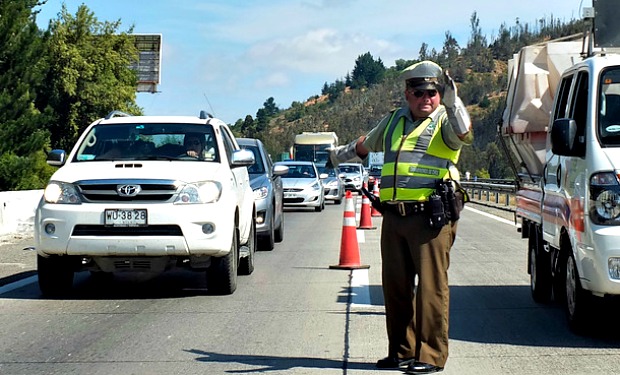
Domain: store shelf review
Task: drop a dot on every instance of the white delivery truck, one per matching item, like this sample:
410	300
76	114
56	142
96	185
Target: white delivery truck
561	127
313	146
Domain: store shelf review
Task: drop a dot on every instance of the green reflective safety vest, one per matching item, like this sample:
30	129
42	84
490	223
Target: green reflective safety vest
414	162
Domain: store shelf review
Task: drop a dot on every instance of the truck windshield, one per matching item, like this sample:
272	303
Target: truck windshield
609	107
110	142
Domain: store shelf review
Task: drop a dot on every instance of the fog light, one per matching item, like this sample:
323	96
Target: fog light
260	218
614	268
50	228
208	228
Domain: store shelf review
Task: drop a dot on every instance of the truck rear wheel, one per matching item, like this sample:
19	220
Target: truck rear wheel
541	284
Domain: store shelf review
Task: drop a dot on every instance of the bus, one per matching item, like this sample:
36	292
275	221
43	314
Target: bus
311	146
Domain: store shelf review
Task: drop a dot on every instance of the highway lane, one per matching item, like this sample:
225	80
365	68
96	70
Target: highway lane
294	315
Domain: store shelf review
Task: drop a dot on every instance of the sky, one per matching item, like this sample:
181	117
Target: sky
229	56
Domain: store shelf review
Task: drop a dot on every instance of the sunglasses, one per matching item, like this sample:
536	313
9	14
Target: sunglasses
420	93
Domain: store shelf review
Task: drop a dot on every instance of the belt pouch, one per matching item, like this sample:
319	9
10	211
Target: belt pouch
437	216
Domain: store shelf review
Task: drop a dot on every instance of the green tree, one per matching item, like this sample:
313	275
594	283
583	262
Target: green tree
89	73
367	71
22	133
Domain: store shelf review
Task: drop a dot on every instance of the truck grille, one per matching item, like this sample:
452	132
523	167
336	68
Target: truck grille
150	230
101	191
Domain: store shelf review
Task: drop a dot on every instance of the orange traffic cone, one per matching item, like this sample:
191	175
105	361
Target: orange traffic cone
375	192
349	248
365	220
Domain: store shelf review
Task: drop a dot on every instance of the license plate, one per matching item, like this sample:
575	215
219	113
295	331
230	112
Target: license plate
290	195
125	218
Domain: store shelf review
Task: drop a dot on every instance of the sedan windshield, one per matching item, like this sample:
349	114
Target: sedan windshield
300	171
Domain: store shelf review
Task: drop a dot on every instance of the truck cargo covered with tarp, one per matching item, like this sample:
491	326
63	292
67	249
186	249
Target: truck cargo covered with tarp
533	76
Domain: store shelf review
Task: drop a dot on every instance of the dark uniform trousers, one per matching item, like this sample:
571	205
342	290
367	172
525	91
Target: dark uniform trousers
416	315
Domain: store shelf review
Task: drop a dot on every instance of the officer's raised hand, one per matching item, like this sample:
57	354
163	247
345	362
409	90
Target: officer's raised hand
449	93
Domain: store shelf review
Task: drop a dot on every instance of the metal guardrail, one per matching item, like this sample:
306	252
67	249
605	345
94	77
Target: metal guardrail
492	192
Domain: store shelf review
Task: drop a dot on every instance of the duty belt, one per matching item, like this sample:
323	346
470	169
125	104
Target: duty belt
405	208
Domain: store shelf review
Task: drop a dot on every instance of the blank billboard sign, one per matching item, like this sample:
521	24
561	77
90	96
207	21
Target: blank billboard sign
148	65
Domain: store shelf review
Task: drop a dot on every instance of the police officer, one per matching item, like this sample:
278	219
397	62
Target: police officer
421	144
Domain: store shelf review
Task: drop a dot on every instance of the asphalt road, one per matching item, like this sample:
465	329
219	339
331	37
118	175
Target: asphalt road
294	315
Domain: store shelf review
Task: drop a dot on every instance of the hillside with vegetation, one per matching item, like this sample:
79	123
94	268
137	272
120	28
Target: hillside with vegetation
352	106
55	82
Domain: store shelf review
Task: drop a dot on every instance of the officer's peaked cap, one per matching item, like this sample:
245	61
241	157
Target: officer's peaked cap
422	75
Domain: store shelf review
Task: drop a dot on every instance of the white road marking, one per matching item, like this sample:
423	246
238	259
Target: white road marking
502	220
360	288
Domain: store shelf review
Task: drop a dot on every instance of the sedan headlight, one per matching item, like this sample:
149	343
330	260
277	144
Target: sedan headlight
332	184
605	199
200	192
261	193
316	186
61	193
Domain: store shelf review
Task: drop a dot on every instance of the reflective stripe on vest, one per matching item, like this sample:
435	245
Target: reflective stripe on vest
413	163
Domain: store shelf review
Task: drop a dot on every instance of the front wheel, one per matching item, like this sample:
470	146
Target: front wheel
267	242
279	232
246	264
222	274
577	300
55	274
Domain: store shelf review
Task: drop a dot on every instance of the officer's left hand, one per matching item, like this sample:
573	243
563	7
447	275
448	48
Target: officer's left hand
449	92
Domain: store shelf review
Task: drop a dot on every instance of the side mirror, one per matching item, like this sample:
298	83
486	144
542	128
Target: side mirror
564	138
242	158
279	169
56	158
323	176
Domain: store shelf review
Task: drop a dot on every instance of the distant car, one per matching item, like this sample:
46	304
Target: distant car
355	176
333	184
302	185
374	177
268	194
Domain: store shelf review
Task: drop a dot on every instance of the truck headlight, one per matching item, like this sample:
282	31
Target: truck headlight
200	192
605	199
61	193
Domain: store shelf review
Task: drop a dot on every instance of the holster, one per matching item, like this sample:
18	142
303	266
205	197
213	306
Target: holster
453	197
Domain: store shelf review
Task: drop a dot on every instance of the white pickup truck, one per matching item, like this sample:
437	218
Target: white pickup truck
147	194
562	122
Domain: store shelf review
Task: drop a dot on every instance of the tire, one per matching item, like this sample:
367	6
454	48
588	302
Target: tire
266	243
55	275
222	274
246	264
279	232
577	301
320	207
541	284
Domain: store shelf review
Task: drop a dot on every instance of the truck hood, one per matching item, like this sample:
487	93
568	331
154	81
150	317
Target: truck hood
613	156
186	171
